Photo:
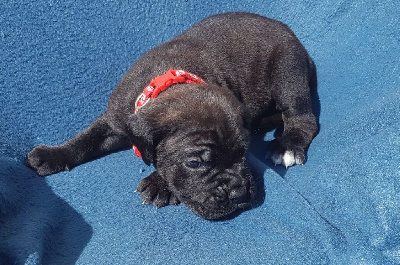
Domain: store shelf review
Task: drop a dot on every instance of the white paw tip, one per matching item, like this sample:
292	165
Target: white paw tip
288	159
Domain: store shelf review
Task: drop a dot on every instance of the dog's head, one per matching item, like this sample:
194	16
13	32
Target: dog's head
197	140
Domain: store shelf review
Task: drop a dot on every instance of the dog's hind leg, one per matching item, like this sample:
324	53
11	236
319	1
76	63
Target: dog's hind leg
102	137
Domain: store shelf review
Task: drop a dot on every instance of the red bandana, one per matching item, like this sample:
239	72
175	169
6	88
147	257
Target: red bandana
161	83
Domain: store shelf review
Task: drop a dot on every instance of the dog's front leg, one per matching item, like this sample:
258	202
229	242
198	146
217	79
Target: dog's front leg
154	190
292	91
102	137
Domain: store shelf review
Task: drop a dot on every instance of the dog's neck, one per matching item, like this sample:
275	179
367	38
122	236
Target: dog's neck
162	82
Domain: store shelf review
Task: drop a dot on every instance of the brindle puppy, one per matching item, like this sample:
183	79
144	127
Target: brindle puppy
196	135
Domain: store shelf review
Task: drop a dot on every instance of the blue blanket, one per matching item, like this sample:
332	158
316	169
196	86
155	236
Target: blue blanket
59	62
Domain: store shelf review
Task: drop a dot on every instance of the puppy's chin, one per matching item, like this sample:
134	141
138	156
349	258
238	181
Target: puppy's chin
216	213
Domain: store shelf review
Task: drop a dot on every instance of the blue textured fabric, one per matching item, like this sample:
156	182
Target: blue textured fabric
60	60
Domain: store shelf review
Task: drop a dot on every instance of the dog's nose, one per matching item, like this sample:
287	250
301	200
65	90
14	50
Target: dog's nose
238	194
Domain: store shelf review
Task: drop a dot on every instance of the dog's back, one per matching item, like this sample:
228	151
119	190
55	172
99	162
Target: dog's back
236	50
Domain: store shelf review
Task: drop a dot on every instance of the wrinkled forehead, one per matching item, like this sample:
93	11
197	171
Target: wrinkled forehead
207	143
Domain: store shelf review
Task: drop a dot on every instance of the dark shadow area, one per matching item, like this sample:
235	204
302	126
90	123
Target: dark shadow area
258	149
35	224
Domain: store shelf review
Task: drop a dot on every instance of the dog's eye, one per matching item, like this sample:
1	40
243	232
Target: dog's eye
194	164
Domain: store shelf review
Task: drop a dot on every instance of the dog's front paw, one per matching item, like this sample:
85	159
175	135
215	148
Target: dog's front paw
154	190
285	154
46	160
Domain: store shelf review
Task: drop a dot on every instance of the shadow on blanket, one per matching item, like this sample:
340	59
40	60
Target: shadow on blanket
36	226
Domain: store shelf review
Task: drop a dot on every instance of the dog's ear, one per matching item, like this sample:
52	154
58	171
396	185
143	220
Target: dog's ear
143	137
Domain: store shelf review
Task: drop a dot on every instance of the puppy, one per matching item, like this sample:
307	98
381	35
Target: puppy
188	107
